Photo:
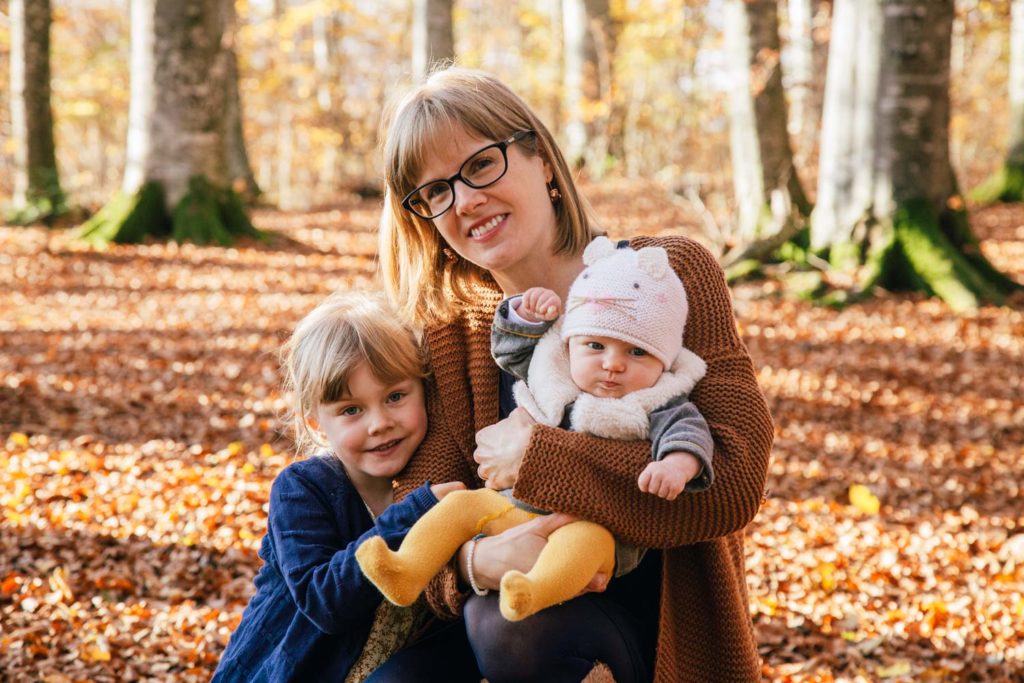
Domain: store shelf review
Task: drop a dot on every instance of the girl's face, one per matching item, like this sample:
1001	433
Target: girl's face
375	428
505	227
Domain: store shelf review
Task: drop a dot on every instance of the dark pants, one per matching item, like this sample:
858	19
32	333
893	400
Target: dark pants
558	645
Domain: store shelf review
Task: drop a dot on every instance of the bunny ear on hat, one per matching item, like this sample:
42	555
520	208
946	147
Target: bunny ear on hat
599	248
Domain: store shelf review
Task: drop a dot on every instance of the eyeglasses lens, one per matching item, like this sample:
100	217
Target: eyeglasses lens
480	170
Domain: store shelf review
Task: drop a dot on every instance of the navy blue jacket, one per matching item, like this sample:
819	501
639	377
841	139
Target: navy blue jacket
313	608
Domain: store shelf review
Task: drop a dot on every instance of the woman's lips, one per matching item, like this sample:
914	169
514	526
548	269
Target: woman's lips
485	229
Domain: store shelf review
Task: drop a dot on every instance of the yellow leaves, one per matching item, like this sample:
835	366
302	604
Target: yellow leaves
235	448
96	649
826	576
900	668
862	499
18	439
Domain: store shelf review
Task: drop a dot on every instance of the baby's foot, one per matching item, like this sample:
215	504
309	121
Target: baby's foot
516	596
384	569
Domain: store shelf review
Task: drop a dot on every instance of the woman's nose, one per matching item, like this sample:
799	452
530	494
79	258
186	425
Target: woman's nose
467	198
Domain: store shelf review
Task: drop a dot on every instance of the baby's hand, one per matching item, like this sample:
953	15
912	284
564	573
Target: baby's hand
442	490
666	478
539	305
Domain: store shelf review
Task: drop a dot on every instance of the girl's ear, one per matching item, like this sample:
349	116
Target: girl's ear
312	423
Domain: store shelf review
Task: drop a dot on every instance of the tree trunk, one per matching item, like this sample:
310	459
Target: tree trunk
771	204
176	179
37	191
239	169
432	36
588	50
801	66
804	76
845	167
898	212
1007	184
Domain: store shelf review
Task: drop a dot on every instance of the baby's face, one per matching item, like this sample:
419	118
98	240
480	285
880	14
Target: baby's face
610	368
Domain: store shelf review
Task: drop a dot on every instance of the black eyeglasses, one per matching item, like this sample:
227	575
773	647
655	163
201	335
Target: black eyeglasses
484	168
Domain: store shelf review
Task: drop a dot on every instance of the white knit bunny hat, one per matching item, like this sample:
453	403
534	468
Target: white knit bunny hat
630	295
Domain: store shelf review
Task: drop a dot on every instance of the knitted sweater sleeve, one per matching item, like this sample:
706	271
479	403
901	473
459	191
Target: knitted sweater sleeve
596	479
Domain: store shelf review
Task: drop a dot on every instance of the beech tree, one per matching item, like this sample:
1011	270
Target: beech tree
1007	183
37	191
176	180
587	81
771	204
432	36
887	196
239	169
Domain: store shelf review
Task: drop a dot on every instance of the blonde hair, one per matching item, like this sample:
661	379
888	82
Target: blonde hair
330	342
425	283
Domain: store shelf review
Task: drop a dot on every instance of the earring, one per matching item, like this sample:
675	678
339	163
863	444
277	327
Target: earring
553	193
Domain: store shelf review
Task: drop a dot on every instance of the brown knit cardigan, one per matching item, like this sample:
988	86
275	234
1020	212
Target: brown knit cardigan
705	631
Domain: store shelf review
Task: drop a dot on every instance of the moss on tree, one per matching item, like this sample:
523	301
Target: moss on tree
128	218
205	215
45	202
1005	185
922	250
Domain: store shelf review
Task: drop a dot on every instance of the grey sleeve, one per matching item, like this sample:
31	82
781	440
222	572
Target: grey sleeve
679	426
512	342
627	557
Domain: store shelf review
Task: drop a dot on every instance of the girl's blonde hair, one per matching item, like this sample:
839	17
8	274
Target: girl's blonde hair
426	284
330	342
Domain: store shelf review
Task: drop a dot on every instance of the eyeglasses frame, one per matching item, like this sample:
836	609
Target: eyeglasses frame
502	145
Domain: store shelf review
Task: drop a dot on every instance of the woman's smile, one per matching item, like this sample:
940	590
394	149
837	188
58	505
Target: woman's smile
487	229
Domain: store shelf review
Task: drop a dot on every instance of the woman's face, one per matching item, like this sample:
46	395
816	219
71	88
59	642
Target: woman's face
504	227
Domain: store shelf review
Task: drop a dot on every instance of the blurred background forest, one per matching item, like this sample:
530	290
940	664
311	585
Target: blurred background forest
139	390
312	105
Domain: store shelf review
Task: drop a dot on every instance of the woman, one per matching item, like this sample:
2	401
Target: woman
481	205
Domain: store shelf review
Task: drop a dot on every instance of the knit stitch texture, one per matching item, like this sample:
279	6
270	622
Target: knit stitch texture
705	631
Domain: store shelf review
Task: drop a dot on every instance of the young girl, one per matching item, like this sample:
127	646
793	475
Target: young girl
355	377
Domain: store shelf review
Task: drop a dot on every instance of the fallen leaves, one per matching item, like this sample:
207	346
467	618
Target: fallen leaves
140	431
862	499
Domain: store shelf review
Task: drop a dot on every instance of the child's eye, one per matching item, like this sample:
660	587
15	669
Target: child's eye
596	346
395	396
637	352
349	411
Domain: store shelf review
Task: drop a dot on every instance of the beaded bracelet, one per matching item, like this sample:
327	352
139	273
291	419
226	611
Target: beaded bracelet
470	551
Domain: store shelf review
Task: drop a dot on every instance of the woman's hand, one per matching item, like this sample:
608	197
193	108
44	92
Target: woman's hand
517	548
500	449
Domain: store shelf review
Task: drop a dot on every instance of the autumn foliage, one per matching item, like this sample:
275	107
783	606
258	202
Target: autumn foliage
139	434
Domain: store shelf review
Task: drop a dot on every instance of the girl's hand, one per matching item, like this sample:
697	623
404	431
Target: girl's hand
539	305
517	548
500	449
442	490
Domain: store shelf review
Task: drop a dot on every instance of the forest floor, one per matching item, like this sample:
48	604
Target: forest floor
139	435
